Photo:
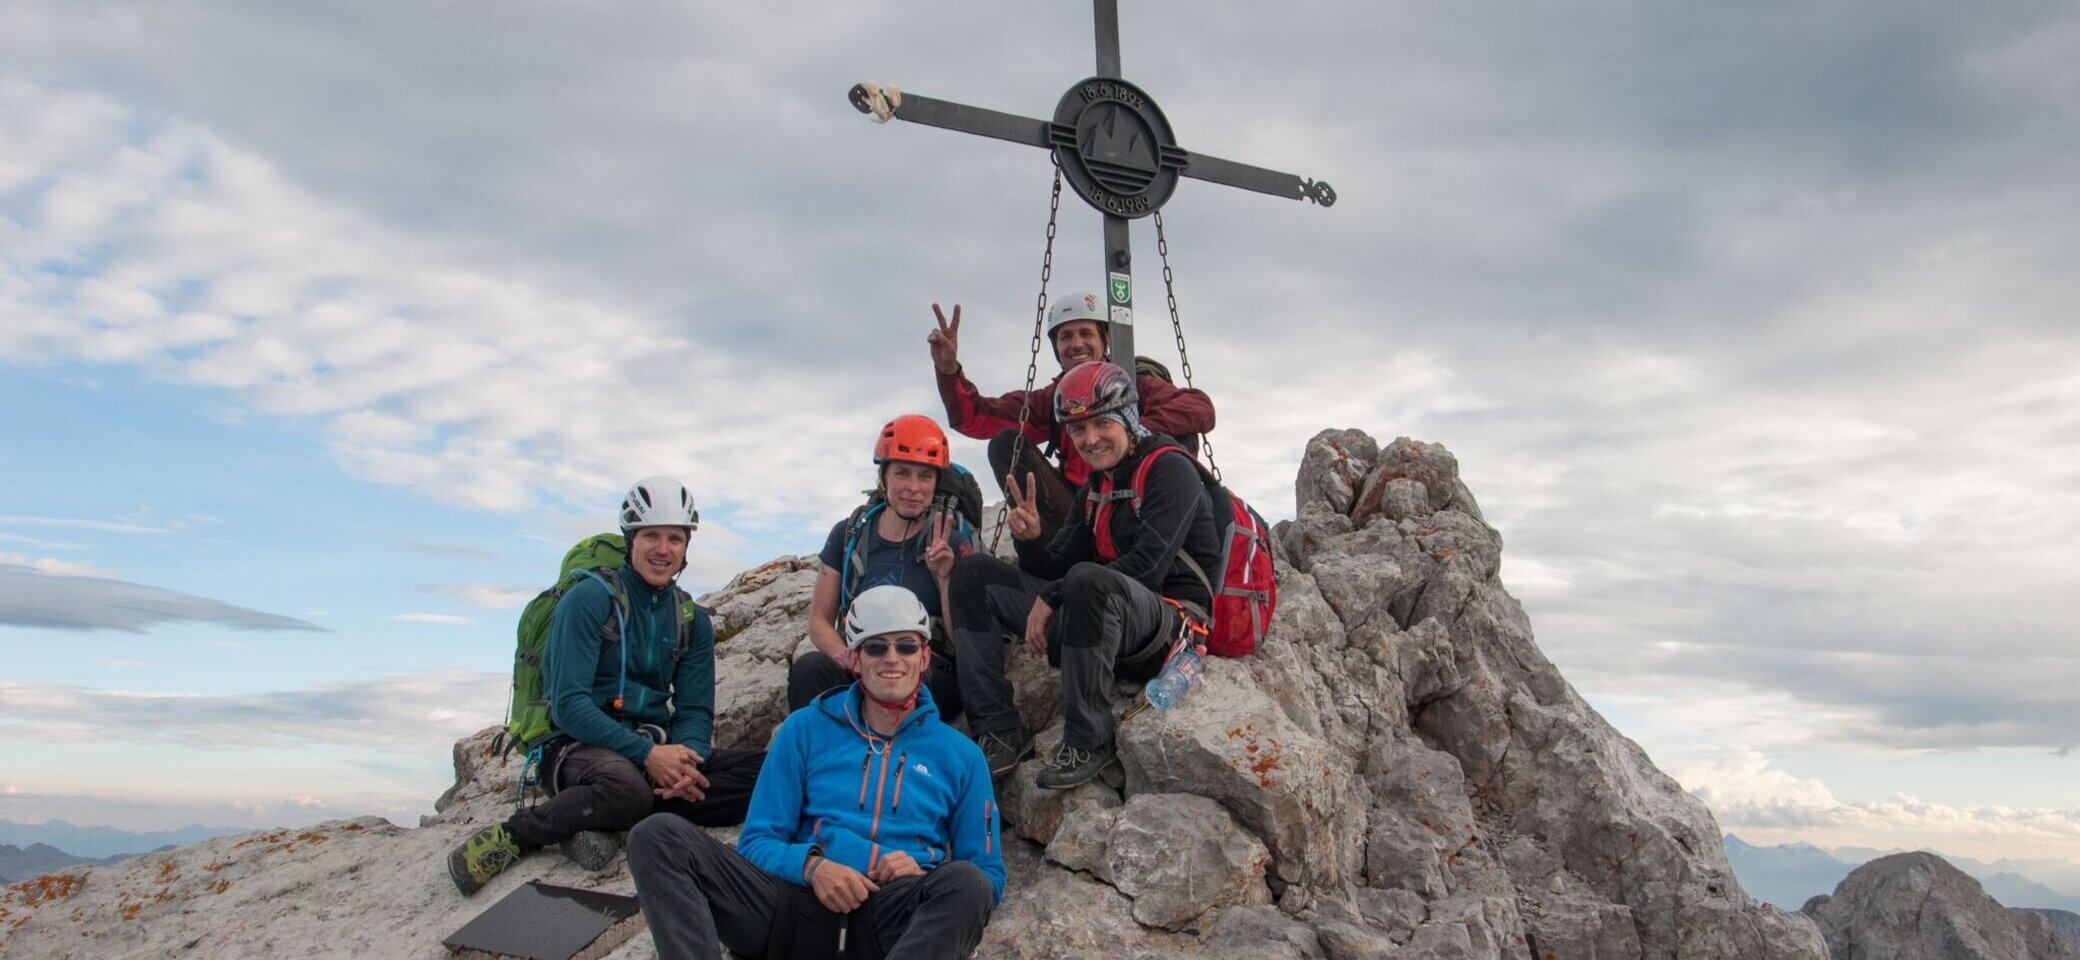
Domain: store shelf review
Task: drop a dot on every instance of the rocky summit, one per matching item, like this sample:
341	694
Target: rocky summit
1916	906
1397	773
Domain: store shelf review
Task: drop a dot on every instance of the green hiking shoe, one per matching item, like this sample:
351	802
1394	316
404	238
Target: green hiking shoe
486	854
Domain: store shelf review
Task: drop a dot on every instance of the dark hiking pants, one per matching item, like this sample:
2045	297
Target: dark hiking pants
1056	495
1108	624
594	788
814	672
699	896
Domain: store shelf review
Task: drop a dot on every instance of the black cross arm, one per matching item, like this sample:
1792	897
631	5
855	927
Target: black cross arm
948	115
1199	166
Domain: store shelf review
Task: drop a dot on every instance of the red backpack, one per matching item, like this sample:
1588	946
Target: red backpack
1248	589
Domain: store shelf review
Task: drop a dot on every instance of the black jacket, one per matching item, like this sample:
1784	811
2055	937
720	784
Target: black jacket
1175	513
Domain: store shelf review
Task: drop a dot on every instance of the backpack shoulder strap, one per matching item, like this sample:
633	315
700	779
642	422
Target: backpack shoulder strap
856	549
1140	488
1139	485
617	601
690	616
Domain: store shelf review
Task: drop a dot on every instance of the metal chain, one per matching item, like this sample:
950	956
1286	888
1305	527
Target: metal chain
1025	408
1184	360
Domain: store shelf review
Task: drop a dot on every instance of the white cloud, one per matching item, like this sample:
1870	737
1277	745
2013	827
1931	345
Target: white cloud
484	596
32	597
421	714
1765	805
76	523
52	566
441	618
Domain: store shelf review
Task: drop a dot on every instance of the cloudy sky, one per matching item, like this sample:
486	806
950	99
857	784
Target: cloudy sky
325	327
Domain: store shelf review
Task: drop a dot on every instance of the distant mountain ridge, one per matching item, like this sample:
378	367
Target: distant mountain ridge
18	863
1786	875
97	843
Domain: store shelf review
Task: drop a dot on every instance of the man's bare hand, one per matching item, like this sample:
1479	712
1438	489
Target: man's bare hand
693	787
1036	627
670	763
938	551
894	865
840	888
1023	517
945	341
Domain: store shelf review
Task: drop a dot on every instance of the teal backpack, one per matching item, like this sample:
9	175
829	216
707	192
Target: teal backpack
597	557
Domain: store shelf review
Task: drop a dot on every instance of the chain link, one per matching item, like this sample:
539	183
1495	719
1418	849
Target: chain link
1184	360
1025	409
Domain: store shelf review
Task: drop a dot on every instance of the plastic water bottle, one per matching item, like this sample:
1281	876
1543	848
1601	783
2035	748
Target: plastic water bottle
1177	677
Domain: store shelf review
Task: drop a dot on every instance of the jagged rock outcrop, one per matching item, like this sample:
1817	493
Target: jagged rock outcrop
1916	906
2065	923
1398	773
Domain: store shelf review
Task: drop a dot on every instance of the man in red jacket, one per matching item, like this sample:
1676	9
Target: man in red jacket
1076	326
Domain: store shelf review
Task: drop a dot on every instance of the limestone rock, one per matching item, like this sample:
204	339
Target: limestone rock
1229	741
2065	923
1083	840
761	618
1262	933
1916	906
1035	813
1332	469
1051	914
1179	855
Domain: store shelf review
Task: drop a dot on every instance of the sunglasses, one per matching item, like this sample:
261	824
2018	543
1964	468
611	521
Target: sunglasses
879	648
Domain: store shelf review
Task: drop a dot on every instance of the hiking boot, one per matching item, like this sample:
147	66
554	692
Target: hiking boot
1072	766
486	854
591	849
1002	753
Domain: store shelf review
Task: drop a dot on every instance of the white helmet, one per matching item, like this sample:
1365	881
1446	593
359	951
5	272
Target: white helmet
1072	307
658	502
883	610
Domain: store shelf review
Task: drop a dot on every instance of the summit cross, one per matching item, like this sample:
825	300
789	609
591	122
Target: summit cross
1114	147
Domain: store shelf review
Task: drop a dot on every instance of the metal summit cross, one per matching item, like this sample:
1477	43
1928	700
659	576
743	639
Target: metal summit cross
1114	147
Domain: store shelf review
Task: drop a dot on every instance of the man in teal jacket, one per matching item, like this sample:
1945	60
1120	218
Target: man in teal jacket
869	807
630	676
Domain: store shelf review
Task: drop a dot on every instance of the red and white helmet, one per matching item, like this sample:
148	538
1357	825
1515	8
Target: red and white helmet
1093	389
1070	308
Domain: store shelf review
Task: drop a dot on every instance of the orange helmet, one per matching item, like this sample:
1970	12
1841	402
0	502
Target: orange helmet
911	438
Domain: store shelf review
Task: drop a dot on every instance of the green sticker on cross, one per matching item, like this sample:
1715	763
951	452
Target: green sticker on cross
1122	288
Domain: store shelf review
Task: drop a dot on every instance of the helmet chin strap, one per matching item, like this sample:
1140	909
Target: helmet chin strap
899	707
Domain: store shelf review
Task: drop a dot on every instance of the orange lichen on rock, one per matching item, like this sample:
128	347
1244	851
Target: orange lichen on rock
274	837
219	886
44	889
310	837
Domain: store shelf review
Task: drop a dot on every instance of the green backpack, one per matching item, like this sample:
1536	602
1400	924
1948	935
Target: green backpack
599	556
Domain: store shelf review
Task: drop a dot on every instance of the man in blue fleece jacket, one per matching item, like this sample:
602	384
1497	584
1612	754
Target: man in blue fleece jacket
631	688
867	800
